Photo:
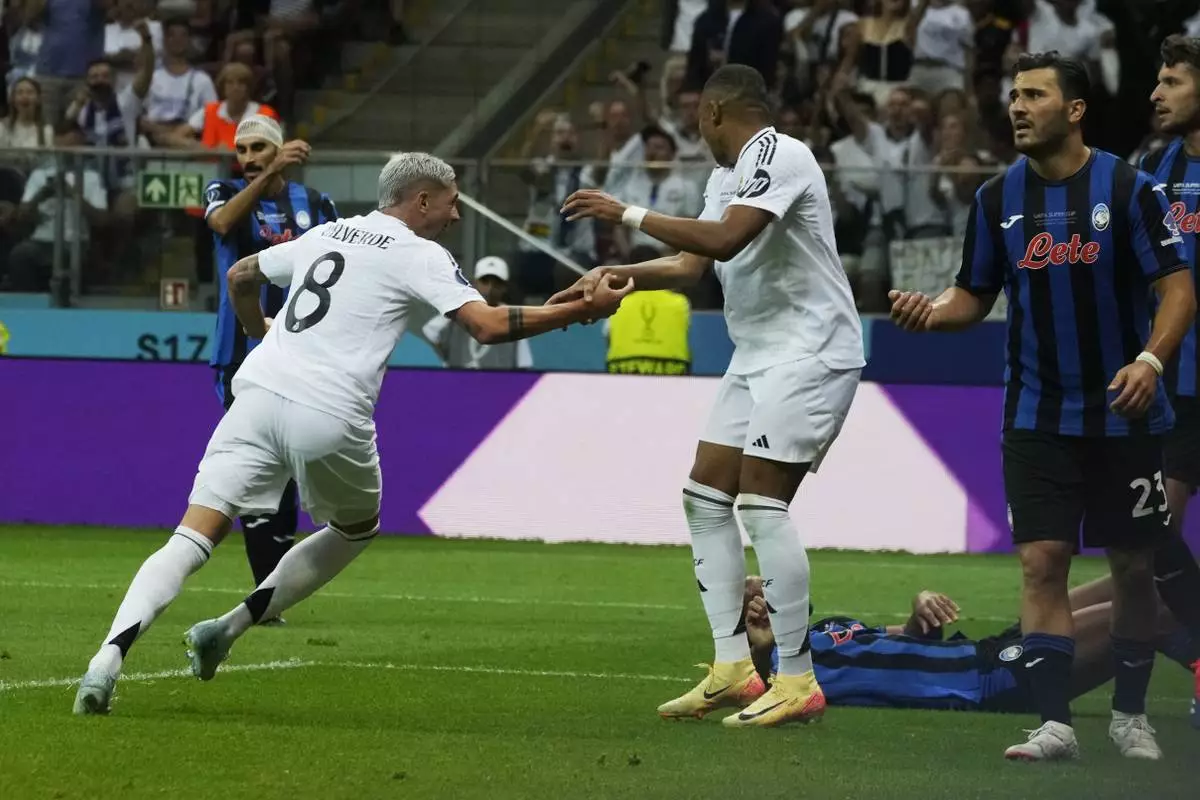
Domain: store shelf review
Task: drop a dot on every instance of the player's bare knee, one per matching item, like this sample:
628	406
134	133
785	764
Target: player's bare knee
718	467
1045	567
775	479
210	523
1131	567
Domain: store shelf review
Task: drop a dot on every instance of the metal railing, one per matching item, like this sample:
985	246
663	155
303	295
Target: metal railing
152	229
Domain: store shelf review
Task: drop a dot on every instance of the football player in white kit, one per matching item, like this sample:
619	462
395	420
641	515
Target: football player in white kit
305	401
768	227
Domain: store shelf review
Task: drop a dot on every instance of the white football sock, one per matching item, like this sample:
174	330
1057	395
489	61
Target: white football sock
784	566
305	568
155	585
720	564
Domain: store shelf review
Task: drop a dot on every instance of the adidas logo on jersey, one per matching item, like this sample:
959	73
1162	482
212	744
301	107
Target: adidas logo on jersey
761	442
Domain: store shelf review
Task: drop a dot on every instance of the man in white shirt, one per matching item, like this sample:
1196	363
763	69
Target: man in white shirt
658	186
123	40
943	54
177	89
306	398
684	126
458	349
798	350
50	193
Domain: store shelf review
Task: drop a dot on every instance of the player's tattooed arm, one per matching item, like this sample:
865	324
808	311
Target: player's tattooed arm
497	324
244	280
669	272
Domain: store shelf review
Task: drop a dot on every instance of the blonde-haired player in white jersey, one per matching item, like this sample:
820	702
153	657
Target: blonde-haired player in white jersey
305	401
768	227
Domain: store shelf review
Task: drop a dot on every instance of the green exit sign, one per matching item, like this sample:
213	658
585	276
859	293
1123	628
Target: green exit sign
170	189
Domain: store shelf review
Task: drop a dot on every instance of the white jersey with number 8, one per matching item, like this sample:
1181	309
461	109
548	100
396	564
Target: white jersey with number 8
353	283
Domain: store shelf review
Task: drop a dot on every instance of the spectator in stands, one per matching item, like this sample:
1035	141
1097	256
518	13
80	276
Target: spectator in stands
658	186
825	39
123	40
923	217
991	114
683	125
954	152
108	119
735	32
885	53
72	38
864	158
213	126
679	23
620	146
177	89
107	116
23	17
244	50
288	44
993	34
25	126
49	193
457	348
550	184
944	49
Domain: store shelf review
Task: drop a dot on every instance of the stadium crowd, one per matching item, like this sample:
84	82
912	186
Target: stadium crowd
904	101
176	74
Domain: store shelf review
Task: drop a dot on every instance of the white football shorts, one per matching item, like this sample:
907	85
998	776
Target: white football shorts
264	440
790	412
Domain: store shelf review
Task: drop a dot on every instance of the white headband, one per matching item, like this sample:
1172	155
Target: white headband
259	127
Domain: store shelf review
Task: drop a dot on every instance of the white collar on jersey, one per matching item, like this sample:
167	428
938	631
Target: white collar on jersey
753	139
388	218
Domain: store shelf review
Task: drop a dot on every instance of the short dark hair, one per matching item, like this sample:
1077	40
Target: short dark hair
99	62
1179	49
1073	77
176	22
740	84
655	131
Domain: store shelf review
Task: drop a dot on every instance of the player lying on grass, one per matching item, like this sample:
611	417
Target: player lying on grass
913	666
305	402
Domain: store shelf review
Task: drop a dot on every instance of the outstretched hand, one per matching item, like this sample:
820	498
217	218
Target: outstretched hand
933	610
912	311
595	204
607	296
582	289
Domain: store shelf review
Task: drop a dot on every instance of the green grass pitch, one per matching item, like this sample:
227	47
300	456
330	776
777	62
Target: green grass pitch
448	669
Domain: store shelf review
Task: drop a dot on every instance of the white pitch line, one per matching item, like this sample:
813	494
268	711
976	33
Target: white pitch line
498	601
147	677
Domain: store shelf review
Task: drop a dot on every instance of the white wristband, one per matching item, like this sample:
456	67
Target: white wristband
633	216
1149	358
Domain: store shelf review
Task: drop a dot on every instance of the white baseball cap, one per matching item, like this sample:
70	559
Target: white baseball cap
495	266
